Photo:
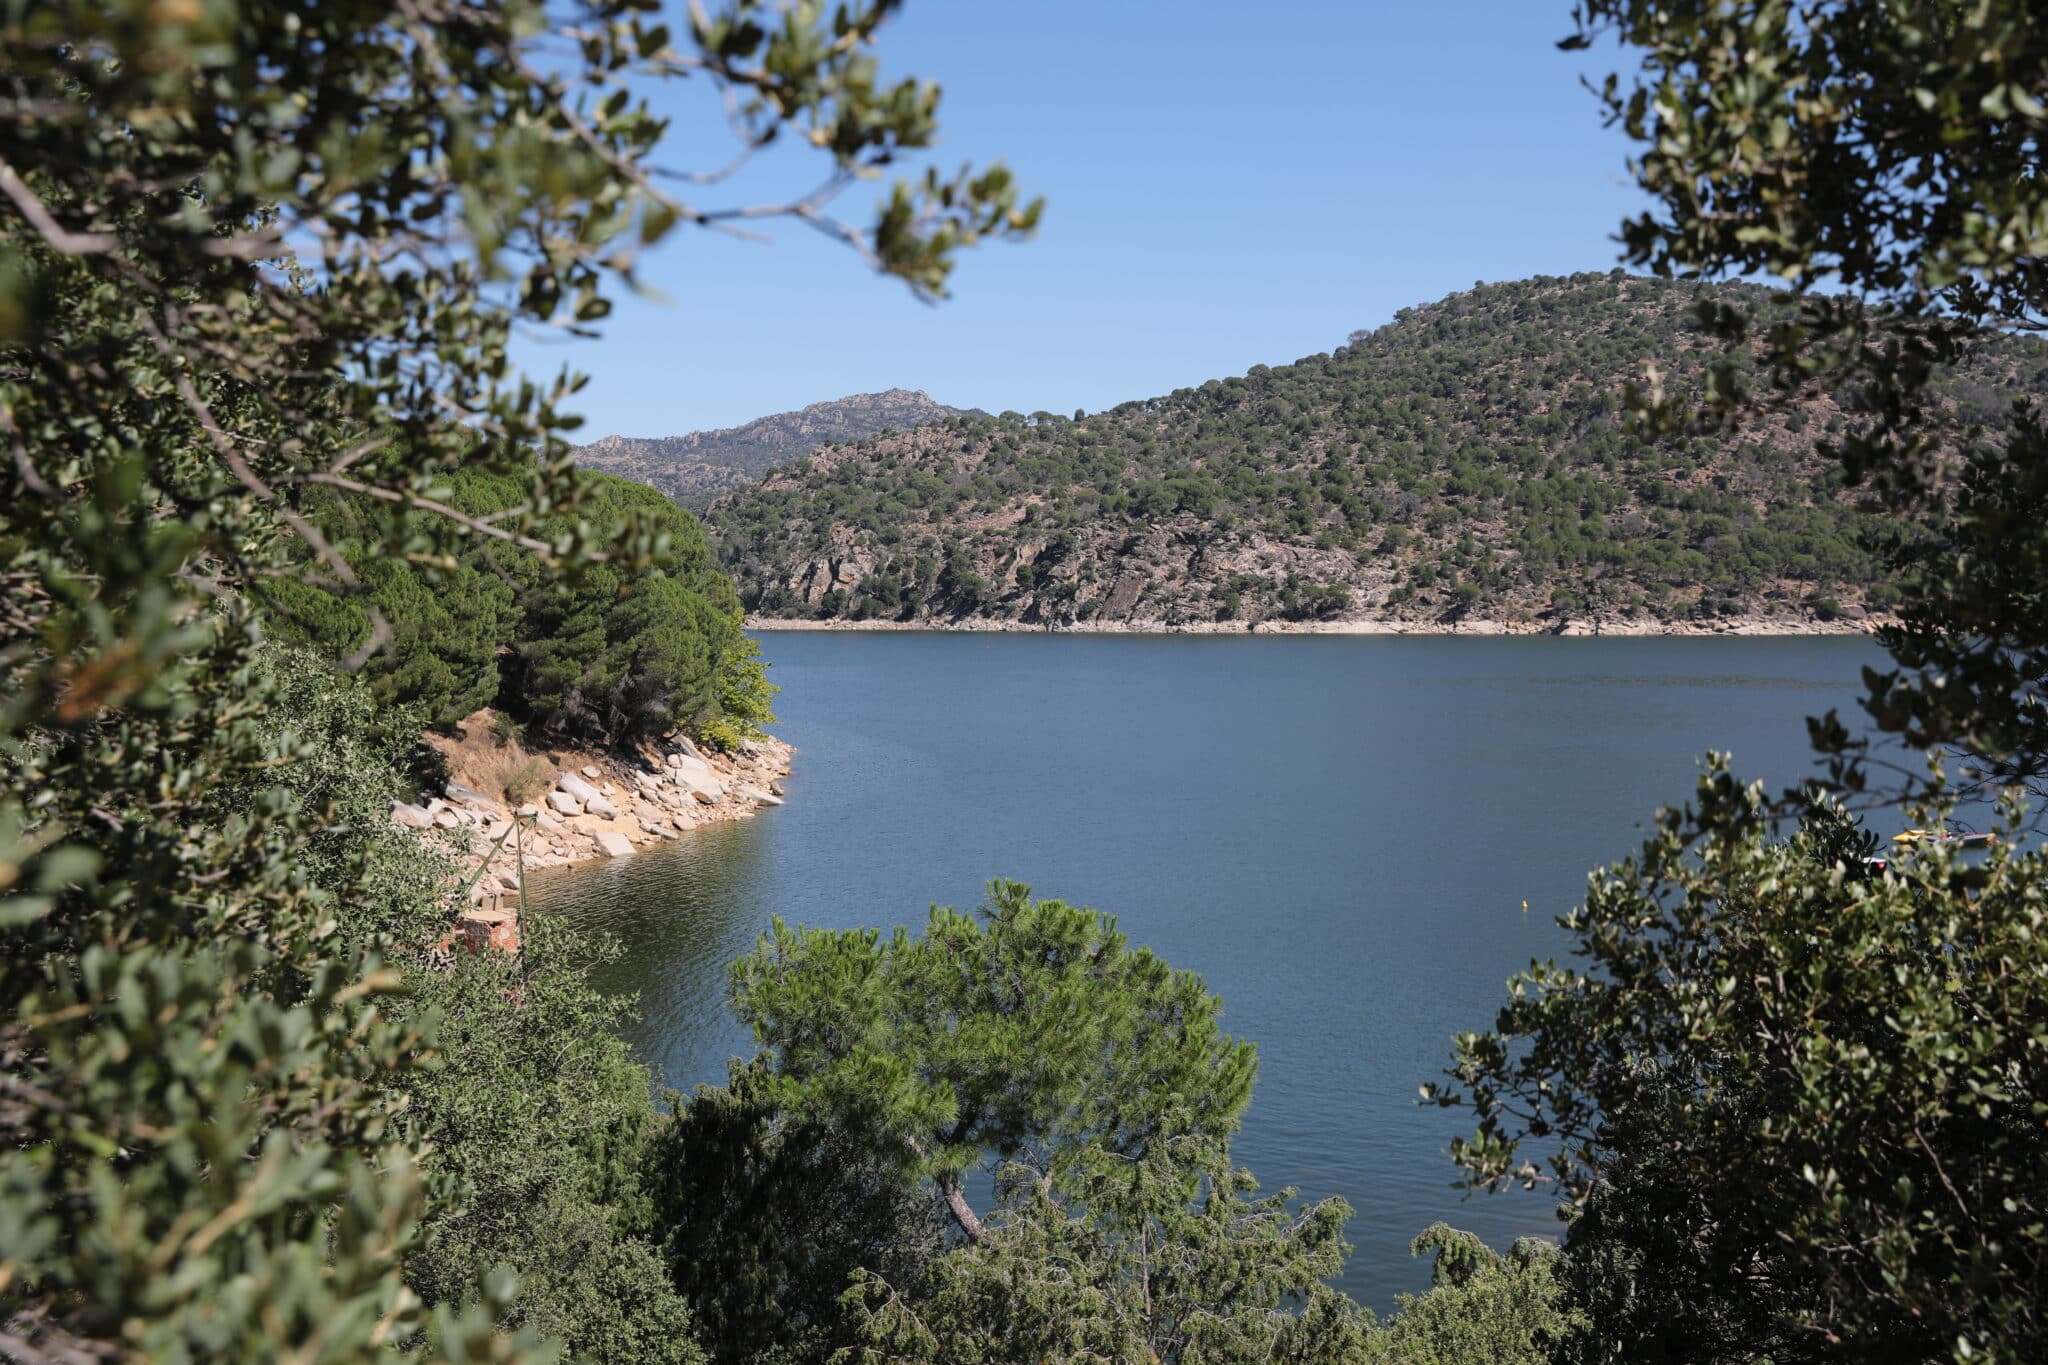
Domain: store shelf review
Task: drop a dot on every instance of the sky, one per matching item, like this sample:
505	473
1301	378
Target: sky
1226	185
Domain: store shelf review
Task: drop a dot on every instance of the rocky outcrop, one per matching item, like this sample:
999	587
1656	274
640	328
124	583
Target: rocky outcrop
609	807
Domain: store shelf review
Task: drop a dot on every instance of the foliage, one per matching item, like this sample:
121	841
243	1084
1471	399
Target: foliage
251	253
1901	175
1470	456
745	698
534	1120
1164	1256
1033	1033
765	1216
1483	1308
1804	1108
442	629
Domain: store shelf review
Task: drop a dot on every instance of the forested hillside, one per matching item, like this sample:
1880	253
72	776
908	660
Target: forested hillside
1466	460
608	655
695	468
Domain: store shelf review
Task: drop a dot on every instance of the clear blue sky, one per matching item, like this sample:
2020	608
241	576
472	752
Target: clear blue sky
1226	185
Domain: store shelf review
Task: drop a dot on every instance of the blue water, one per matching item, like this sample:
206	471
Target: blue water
1338	833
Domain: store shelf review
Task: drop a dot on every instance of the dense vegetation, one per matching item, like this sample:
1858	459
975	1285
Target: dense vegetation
695	468
598	654
251	255
1469	458
249	1108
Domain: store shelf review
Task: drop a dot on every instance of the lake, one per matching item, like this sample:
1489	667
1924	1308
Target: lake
1338	833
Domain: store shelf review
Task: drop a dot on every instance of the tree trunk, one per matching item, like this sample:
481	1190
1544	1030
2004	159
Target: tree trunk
963	1212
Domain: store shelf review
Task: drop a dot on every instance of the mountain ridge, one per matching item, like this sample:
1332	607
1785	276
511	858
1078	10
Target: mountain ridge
696	466
1465	462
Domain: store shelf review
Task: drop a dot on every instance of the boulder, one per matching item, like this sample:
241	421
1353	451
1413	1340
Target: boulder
690	771
590	770
756	794
598	805
446	819
614	845
685	749
471	797
565	803
410	816
547	821
707	797
577	788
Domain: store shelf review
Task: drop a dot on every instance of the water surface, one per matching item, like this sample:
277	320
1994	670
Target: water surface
1338	833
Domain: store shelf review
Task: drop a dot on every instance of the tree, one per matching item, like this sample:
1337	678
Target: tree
1167	1256
249	253
1098	1082
618	657
1033	1033
1882	160
1803	1108
1483	1308
765	1217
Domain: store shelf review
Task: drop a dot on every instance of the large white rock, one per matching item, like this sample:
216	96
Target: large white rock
590	770
474	799
600	805
577	787
614	845
756	794
691	771
411	817
565	803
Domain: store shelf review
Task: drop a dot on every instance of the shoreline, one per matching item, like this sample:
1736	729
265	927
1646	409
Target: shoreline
1756	626
595	806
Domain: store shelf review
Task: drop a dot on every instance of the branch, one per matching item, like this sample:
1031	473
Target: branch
963	1212
438	508
60	238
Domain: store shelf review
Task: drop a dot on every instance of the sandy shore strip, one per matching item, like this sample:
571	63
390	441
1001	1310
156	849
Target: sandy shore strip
1734	625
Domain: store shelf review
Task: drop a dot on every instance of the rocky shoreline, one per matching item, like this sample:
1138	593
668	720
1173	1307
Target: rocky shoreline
1733	625
594	806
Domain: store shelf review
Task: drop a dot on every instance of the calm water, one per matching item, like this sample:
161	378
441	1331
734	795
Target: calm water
1338	833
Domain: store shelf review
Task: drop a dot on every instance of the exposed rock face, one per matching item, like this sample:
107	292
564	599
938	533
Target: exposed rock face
694	468
615	807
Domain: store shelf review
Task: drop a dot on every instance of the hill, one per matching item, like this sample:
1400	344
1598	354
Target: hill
697	467
1467	460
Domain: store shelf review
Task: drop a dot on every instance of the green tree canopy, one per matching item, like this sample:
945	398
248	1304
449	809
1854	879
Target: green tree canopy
1032	1033
1804	1106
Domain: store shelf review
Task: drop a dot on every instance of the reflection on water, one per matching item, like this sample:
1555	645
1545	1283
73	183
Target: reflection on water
1337	833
